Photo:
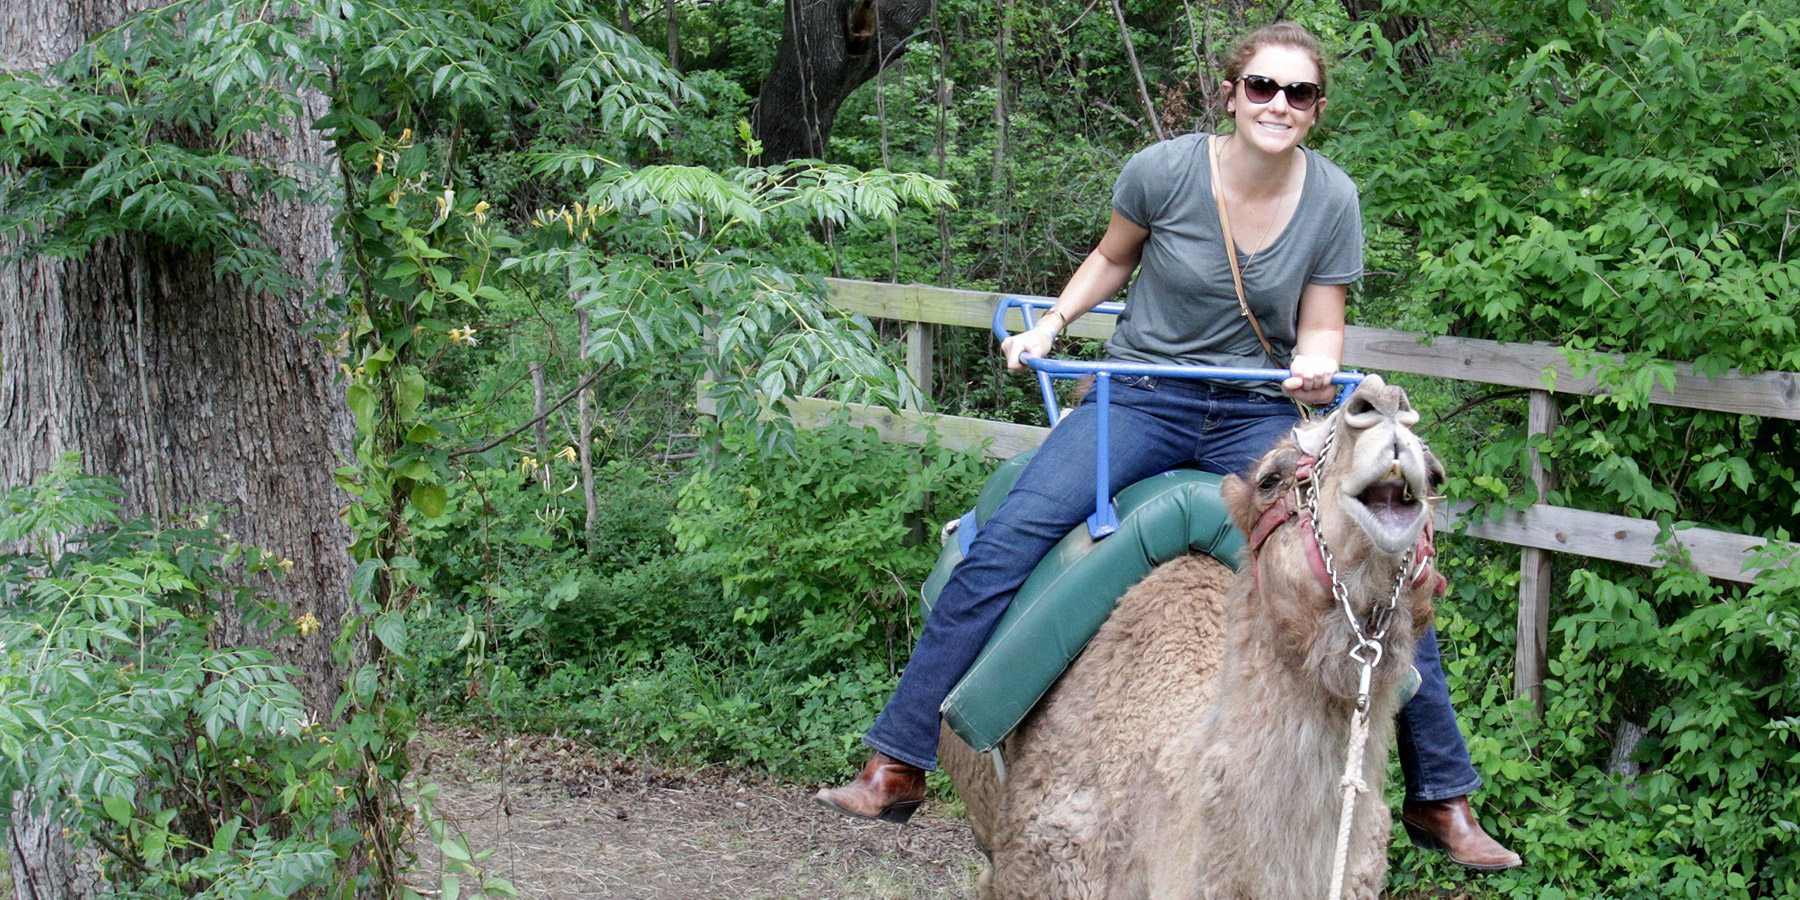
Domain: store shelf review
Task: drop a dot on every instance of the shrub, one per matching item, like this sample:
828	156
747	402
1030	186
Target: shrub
190	769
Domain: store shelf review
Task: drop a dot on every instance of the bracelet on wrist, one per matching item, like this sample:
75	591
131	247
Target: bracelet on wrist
1065	321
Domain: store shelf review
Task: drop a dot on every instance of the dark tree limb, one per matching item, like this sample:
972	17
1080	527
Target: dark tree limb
828	49
1137	73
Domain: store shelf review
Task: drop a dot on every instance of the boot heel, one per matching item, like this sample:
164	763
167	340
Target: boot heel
898	813
1421	838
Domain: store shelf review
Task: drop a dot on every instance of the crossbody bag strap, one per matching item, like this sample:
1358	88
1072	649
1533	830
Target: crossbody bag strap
1237	277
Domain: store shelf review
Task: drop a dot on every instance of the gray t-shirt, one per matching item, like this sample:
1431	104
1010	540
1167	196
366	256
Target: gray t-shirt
1182	306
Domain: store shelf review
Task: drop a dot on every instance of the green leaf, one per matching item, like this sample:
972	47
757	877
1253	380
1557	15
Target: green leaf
390	629
456	848
118	807
226	836
430	499
362	405
409	391
364	683
363	582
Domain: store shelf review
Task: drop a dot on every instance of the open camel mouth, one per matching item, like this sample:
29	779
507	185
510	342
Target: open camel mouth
1390	510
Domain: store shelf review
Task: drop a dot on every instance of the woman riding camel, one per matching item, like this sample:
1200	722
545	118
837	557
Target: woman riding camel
1298	237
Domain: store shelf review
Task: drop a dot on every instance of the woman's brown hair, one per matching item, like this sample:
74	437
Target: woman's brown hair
1280	34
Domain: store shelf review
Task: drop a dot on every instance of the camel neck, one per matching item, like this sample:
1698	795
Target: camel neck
1273	751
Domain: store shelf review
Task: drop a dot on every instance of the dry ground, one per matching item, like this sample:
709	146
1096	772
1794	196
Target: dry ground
566	824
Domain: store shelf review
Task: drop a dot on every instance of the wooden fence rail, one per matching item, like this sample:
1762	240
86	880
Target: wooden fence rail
1539	529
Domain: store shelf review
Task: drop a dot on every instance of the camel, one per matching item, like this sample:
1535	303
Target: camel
1197	746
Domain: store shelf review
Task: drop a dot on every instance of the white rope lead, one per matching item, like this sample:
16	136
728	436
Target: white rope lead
1353	785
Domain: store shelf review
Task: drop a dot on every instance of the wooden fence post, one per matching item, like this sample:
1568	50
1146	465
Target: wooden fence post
1534	570
919	356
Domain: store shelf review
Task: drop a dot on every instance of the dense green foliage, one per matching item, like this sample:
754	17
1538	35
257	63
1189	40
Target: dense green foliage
144	131
192	766
1617	178
1620	180
758	618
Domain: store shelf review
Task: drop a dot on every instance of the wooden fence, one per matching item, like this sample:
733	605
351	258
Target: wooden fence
1540	529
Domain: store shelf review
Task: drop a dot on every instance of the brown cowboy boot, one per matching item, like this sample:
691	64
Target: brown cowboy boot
887	789
1450	826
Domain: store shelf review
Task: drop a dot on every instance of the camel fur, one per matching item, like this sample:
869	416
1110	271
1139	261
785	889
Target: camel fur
1195	749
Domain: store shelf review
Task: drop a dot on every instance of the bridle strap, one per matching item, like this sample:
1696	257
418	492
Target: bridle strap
1288	507
1285	508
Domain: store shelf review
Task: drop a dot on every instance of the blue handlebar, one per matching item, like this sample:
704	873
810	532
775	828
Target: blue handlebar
1105	519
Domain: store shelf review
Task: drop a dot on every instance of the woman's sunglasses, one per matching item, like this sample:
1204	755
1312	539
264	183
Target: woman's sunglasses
1260	89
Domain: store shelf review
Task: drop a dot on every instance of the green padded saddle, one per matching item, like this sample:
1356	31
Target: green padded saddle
1070	593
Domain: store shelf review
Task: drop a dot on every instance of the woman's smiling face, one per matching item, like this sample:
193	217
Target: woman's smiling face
1275	127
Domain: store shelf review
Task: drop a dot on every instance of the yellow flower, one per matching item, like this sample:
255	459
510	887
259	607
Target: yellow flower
566	454
445	202
480	212
380	161
464	335
406	137
286	565
528	465
307	625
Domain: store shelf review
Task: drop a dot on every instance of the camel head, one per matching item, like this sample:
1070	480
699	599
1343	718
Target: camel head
1372	487
1382	476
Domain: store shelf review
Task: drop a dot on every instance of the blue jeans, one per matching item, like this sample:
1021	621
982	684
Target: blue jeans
1157	425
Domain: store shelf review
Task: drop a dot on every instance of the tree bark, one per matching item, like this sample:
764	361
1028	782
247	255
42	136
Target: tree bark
190	390
828	49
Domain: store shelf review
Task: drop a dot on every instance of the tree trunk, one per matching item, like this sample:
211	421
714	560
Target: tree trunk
828	49
540	430
1000	190
945	97
190	390
584	435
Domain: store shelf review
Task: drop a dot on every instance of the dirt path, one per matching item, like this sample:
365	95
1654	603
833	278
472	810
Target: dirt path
566	824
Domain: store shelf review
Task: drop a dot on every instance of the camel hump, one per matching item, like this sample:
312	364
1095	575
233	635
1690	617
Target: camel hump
1071	593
